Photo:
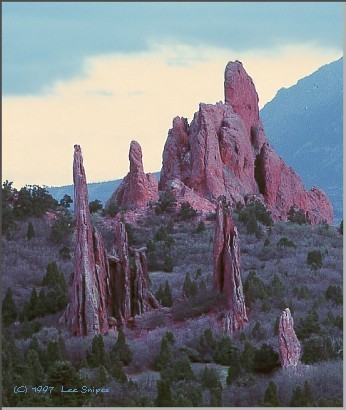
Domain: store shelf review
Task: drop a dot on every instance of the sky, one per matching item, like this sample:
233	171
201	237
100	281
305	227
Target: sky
103	74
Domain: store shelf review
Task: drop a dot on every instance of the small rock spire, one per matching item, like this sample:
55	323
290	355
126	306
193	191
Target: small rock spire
227	278
289	346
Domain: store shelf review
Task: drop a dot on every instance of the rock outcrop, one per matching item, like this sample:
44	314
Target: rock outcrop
227	278
224	152
106	292
87	312
142	299
137	188
289	346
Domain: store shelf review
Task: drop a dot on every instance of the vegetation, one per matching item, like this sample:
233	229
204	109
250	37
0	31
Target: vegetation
177	356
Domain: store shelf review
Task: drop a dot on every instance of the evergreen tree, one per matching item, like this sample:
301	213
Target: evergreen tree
164	394
234	369
167	299
101	377
9	310
210	379
30	233
121	349
35	367
270	396
215	397
33	304
66	201
265	358
200	227
159	294
97	356
165	357
116	369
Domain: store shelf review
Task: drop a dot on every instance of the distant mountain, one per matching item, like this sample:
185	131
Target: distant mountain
97	190
304	124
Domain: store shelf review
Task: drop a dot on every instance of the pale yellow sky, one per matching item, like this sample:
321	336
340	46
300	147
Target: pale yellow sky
123	97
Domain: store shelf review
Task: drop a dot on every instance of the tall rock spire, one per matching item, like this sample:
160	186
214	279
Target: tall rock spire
87	312
289	346
227	278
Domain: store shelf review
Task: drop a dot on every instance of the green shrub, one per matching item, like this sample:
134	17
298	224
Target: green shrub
285	242
334	293
111	209
168	264
200	227
9	310
265	359
314	259
297	216
166	203
270	396
186	211
95	206
254	288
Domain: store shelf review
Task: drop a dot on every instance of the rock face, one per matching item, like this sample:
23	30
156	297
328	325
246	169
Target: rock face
137	188
227	278
105	293
87	312
224	152
289	346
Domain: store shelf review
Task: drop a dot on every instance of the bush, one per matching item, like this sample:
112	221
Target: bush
254	288
314	259
334	293
65	252
121	349
62	228
111	209
200	227
317	349
308	325
341	227
253	212
186	211
30	233
265	359
297	216
285	242
166	203
270	396
168	264
95	206
210	379
9	310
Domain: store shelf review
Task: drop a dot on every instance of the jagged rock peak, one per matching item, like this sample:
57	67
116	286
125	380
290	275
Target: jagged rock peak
289	346
137	188
224	152
227	277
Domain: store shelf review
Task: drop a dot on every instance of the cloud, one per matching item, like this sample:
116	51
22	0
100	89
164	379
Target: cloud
44	42
120	97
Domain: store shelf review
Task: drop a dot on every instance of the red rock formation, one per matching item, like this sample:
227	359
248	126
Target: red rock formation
142	299
227	278
137	188
130	290
87	312
224	152
289	346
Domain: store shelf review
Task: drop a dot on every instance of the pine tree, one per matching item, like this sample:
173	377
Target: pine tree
35	367
234	369
116	370
164	394
30	233
9	310
187	285
97	355
165	357
101	377
121	349
33	302
270	397
159	294
167	299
